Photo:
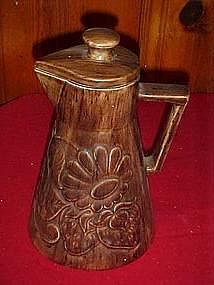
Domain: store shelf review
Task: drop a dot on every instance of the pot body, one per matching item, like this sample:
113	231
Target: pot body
91	208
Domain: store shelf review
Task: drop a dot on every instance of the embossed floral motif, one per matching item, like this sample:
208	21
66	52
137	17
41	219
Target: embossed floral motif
115	228
83	204
122	228
97	178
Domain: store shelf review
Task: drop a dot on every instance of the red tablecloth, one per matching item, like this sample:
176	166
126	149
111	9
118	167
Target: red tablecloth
182	194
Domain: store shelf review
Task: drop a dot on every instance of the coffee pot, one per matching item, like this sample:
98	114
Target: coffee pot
91	208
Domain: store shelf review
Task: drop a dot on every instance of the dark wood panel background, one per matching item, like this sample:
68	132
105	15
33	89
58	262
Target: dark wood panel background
172	51
168	51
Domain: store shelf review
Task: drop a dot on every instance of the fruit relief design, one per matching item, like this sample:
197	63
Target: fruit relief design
81	199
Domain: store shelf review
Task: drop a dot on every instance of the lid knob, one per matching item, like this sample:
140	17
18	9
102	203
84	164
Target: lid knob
101	43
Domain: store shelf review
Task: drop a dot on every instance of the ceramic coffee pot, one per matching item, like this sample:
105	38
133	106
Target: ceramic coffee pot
91	208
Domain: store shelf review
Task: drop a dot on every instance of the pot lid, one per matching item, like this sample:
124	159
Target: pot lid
97	64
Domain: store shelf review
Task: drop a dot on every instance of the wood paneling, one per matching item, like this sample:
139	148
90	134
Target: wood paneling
2	85
24	25
32	28
170	52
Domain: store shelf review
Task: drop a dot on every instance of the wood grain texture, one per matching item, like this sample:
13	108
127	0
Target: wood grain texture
101	43
172	53
177	96
102	38
168	51
91	208
77	65
2	83
24	25
34	28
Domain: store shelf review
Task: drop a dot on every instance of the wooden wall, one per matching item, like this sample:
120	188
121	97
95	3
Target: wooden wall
168	50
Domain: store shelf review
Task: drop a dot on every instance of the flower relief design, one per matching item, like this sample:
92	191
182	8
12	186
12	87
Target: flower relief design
96	179
90	191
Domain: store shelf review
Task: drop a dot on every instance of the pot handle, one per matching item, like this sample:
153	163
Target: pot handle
177	96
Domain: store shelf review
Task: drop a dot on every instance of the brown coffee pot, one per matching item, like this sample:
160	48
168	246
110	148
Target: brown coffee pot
91	208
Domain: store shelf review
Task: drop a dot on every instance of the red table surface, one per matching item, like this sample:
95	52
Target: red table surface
182	196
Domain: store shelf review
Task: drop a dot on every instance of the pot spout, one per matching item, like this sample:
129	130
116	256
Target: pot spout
51	85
